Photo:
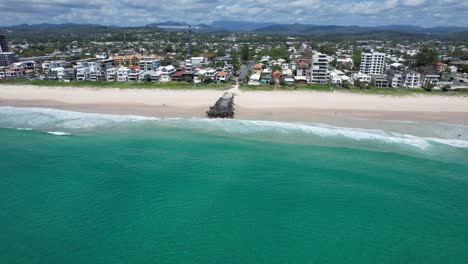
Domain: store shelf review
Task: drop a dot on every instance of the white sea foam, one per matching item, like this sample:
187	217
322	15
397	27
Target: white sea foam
45	117
52	119
58	133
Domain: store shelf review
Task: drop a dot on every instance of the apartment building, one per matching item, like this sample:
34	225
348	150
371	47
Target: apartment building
319	72
361	77
373	63
149	64
412	79
111	74
395	80
122	74
430	79
82	74
7	58
379	80
49	65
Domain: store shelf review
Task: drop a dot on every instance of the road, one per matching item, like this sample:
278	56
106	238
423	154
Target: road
245	69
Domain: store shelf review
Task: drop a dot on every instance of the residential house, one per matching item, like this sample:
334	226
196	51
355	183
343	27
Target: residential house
278	75
379	80
166	73
289	81
222	76
254	79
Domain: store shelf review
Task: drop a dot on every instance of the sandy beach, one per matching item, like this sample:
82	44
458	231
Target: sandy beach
265	105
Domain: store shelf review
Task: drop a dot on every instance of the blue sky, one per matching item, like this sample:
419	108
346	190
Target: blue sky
141	12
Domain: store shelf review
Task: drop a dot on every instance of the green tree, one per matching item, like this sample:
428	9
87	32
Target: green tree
235	62
429	87
345	85
245	52
220	64
325	49
166	61
276	67
426	56
446	88
357	58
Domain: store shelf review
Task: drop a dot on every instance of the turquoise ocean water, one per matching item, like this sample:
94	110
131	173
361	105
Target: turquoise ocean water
89	188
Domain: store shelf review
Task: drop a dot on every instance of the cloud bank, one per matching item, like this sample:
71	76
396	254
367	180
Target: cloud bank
320	12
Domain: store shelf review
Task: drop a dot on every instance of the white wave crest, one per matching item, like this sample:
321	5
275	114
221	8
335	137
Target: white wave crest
58	133
51	119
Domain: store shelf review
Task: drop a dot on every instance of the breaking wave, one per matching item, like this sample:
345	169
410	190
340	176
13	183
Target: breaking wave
53	120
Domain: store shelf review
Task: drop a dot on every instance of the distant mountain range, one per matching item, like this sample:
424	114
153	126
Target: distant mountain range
277	28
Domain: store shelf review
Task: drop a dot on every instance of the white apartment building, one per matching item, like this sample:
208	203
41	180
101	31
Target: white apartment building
361	77
319	72
149	64
59	72
430	79
122	74
48	65
373	63
197	61
82	74
111	73
135	75
412	80
96	75
155	76
395	80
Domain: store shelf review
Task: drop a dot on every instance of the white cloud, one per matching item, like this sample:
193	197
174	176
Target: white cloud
140	12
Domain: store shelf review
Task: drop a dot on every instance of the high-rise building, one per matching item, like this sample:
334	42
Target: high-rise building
3	43
373	63
7	58
319	72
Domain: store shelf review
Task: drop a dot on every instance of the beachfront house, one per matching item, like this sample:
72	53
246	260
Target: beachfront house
254	79
166	73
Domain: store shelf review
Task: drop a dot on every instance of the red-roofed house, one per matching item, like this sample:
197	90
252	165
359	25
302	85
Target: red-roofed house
277	75
222	76
178	76
441	67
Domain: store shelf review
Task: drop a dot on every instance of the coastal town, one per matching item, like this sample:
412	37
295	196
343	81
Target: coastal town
249	59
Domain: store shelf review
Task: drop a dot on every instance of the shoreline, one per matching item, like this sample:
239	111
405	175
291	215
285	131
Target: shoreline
288	106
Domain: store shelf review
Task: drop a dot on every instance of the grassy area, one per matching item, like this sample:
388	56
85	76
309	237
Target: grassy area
121	85
401	91
264	87
315	87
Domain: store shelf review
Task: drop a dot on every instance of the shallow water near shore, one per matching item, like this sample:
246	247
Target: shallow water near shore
91	188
